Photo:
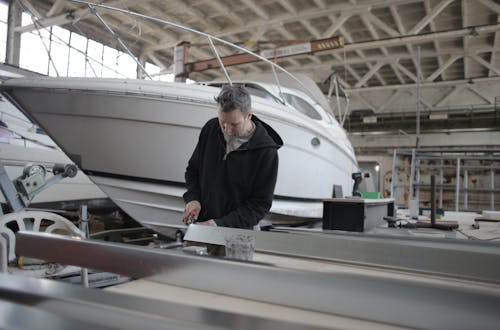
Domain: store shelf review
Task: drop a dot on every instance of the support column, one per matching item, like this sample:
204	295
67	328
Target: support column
140	72
13	48
181	52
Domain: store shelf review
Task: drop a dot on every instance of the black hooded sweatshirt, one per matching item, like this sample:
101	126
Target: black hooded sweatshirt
236	190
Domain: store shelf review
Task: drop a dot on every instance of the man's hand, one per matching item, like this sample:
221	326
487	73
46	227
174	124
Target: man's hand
210	222
193	207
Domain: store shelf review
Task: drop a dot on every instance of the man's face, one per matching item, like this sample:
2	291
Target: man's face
234	123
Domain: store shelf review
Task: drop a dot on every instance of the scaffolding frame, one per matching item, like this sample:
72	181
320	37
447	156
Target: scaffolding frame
464	161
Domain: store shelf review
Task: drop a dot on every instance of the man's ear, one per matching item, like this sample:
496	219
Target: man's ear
249	115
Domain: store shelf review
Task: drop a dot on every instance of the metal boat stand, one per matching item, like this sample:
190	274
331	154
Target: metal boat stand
19	193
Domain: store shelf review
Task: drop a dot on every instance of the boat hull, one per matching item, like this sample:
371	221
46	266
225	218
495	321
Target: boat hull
134	141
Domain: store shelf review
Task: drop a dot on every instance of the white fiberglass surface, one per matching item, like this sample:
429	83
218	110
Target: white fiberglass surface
152	137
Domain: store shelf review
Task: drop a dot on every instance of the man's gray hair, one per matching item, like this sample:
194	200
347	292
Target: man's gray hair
232	97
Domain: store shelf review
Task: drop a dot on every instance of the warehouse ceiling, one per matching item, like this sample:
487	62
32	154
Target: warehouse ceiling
459	41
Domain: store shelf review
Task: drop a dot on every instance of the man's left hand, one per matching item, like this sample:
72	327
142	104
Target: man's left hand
210	222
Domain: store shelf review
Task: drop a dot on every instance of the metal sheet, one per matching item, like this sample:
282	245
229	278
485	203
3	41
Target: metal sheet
397	302
28	303
471	260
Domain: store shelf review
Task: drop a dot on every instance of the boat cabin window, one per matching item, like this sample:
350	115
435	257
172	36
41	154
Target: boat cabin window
302	106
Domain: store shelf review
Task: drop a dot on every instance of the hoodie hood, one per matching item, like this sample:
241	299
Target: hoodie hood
264	136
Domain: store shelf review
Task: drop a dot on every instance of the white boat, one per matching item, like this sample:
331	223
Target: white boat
134	138
22	143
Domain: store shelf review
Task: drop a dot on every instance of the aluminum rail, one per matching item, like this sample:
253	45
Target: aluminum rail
210	37
463	259
401	302
29	303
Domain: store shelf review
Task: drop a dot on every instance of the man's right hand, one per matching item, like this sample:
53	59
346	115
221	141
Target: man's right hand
193	207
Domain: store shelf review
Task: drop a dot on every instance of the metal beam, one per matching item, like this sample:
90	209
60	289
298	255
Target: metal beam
338	22
480	94
346	67
391	59
425	103
288	6
397	74
397	19
375	36
406	71
348	37
56	8
69	306
388	101
67	18
258	34
406	40
320	4
156	61
243	58
433	84
491	5
428	9
443	67
413	39
450	94
363	100
336	9
256	9
465	38
371	252
381	25
402	31
430	16
496	48
354	295
485	64
30	8
343	82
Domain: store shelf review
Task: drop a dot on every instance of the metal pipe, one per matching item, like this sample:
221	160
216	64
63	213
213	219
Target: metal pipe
457	184
117	38
185	28
441	180
417	144
219	60
84	226
278	84
466	186
13	45
394	183
50	50
4	256
69	54
394	173
417	179
34	18
433	200
492	182
412	173
427	150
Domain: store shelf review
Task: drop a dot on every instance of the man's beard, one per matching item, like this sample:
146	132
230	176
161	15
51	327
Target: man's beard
247	130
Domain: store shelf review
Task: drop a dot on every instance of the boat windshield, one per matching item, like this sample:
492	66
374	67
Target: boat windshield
302	106
253	89
258	91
